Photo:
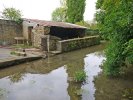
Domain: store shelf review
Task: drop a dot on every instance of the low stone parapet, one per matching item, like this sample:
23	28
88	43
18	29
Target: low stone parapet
77	43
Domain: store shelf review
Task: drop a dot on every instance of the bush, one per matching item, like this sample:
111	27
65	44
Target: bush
91	32
128	51
115	24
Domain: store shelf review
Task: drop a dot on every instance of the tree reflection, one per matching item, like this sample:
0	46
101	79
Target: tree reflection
74	87
99	54
17	77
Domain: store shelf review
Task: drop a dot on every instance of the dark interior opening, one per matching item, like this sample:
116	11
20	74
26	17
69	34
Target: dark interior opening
67	33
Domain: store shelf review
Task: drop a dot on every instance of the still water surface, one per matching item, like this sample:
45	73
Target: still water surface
49	79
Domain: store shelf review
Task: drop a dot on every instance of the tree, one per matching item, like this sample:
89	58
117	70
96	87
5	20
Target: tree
12	14
63	3
75	10
83	23
59	14
128	51
115	19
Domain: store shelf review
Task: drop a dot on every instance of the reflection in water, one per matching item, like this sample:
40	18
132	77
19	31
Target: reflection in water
38	87
73	67
15	78
46	80
92	62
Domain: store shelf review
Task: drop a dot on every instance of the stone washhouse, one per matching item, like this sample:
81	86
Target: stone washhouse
46	34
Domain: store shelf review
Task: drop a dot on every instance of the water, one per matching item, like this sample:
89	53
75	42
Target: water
92	69
36	86
49	79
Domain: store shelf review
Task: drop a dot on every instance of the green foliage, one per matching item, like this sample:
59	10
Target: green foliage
72	45
115	19
89	25
99	4
80	76
63	3
114	59
12	14
22	46
59	14
13	53
91	28
91	32
75	10
128	51
83	23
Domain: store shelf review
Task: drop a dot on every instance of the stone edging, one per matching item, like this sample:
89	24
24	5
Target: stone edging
11	62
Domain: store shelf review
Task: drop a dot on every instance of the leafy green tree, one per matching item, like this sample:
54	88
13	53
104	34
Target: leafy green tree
83	23
75	10
59	14
115	19
12	14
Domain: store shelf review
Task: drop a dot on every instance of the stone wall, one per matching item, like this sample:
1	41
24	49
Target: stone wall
27	24
49	43
9	30
53	40
77	43
38	33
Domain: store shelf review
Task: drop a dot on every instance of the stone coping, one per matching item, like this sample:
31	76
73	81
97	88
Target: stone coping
4	63
79	38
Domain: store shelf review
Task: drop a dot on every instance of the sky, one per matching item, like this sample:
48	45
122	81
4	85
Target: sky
42	9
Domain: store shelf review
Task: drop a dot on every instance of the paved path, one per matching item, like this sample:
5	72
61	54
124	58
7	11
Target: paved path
5	53
6	59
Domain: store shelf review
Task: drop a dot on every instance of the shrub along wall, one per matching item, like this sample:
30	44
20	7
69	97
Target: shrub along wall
77	43
9	30
91	32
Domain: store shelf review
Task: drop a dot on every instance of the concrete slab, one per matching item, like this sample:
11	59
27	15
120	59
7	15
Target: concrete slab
5	53
6	59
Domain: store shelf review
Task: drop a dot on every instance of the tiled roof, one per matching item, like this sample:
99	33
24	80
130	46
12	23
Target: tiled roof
53	23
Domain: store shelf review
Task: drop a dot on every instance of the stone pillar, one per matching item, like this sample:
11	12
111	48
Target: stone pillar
59	46
38	34
48	42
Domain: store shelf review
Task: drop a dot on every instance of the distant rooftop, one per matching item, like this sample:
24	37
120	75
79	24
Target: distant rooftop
53	23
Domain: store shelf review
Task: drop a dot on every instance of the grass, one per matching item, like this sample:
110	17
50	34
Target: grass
12	53
80	76
22	46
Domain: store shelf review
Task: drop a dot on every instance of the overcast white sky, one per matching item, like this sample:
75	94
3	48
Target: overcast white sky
42	9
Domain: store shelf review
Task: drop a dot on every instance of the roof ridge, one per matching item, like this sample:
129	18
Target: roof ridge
54	23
